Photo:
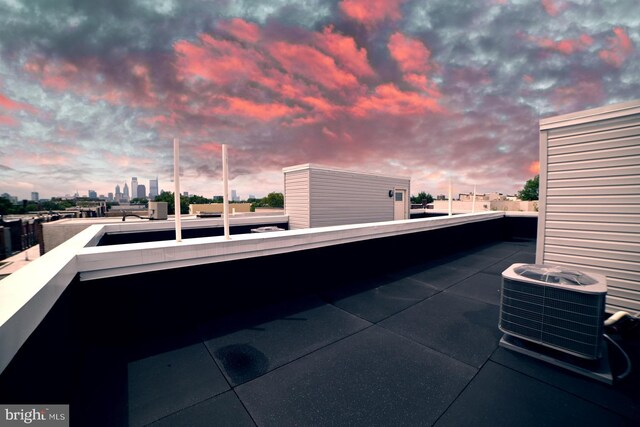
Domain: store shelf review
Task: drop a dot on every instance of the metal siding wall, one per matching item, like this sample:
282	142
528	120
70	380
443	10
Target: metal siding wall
340	197
591	219
296	200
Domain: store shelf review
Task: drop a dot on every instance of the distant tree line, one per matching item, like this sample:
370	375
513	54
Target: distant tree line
273	200
55	204
422	198
530	190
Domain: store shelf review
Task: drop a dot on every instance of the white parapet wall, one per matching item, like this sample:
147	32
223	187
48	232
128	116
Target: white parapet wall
118	260
29	294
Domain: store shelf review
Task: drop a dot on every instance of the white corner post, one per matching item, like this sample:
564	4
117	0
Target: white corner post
473	202
450	198
176	187
225	189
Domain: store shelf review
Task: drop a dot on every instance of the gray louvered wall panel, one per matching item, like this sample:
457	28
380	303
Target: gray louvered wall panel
296	198
590	197
343	197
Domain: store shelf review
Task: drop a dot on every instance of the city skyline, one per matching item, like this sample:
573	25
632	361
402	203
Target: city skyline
427	89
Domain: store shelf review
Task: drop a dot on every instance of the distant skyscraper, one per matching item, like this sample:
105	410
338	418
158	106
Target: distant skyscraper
35	196
92	194
153	188
125	192
142	191
118	194
134	187
234	196
110	196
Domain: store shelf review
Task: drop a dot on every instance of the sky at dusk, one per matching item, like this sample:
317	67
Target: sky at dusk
92	92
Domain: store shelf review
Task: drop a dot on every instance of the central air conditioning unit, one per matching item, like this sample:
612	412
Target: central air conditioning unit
556	307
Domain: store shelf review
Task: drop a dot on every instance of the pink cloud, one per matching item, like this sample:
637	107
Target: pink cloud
208	148
68	148
240	30
160	119
8	121
566	46
413	59
388	99
9	104
371	12
246	108
54	75
410	54
329	133
286	85
422	83
534	167
345	51
585	92
41	159
310	63
320	105
87	77
620	47
553	7
219	61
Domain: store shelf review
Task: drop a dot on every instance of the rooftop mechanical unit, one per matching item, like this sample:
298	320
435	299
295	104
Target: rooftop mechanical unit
158	210
555	307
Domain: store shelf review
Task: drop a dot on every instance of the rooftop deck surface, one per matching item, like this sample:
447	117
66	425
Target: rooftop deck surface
414	347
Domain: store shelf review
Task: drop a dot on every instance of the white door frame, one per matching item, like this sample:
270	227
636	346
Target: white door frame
404	192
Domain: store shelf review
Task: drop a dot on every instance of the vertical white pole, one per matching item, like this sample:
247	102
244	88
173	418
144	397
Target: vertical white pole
450	198
176	189
473	203
225	189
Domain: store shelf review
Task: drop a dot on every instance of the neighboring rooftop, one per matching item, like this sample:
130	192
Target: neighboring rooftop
400	330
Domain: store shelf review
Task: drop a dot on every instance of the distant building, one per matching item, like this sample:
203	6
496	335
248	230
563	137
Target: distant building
251	196
125	192
35	196
153	188
110	197
142	191
185	194
134	187
118	194
234	196
489	197
93	194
